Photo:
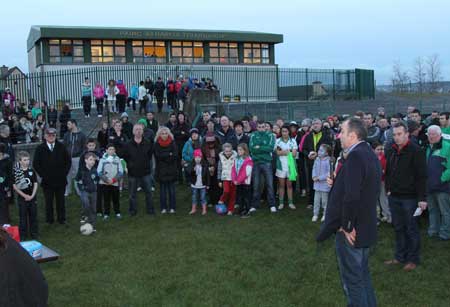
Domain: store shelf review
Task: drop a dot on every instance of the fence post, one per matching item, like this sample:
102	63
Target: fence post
307	84
246	83
278	83
334	86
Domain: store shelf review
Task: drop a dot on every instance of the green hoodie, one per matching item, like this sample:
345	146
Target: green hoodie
262	146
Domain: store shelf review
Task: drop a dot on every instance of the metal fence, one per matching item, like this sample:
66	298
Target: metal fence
236	83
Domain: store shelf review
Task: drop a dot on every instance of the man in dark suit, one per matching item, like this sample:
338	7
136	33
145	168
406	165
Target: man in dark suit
52	163
352	214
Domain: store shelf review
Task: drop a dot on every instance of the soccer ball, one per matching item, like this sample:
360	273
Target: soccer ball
86	229
221	209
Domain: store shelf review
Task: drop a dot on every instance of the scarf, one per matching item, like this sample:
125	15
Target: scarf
164	143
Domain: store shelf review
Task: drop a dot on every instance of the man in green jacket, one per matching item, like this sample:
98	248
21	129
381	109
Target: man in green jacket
261	148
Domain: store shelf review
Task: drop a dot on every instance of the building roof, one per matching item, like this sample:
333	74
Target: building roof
37	32
10	71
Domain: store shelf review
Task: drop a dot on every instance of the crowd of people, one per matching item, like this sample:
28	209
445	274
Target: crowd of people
235	164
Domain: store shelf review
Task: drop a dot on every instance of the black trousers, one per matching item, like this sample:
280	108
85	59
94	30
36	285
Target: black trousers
243	197
100	198
99	103
27	218
143	106
86	104
121	101
171	100
309	168
111	192
159	102
58	194
133	103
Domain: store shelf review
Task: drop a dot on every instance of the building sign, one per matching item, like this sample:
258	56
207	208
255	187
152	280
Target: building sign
172	35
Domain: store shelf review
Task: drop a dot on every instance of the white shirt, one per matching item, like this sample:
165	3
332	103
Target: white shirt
51	146
290	145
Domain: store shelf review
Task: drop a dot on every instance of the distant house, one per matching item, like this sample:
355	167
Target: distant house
7	72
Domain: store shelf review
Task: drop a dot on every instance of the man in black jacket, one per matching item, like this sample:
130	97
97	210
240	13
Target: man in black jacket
226	134
52	163
406	186
313	140
138	155
352	213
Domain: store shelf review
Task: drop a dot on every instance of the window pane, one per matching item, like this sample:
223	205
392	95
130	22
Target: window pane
247	61
137	51
96	51
107	51
265	53
247	45
213	52
266	46
176	52
187	44
198	52
213	44
66	51
160	51
160	44
233	60
233	45
55	59
214	60
78	51
136	43
256	45
108	59
256	61
119	51
148	51
138	60
66	42
176	60
119	59
256	53
265	61
187	60
108	42
187	52
96	42
54	50
247	53
176	43
224	45
54	42
233	53
198	44
120	43
66	59
198	60
223	53
78	42
149	43
161	60
78	59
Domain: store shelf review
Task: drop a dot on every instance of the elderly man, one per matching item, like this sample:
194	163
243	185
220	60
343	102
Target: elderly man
438	184
226	134
52	162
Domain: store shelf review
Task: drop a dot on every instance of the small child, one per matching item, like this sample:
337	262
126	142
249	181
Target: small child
241	175
26	186
110	171
226	161
320	173
382	199
87	180
199	182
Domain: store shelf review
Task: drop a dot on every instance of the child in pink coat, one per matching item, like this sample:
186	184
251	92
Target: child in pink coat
241	175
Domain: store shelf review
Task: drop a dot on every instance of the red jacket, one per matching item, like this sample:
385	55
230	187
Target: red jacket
382	159
244	176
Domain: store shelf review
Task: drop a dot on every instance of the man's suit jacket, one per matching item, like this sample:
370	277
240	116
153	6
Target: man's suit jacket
352	201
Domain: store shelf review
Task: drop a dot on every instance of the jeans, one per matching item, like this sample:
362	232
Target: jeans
167	189
407	236
354	272
89	204
145	182
439	214
71	176
198	196
320	200
262	170
27	218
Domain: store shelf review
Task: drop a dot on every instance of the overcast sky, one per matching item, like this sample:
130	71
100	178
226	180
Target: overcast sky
317	34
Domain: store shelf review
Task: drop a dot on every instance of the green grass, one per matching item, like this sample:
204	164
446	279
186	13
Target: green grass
266	260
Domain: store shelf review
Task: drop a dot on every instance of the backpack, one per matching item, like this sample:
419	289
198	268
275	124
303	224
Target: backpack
177	86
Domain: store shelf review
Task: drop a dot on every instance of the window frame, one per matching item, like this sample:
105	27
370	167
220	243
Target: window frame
112	57
187	47
63	58
224	47
260	49
140	59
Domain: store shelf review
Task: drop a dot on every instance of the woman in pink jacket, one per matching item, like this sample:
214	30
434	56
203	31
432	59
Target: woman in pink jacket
241	175
99	95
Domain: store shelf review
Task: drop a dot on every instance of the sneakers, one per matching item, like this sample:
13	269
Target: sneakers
83	220
118	216
272	209
99	115
322	219
99	214
105	217
230	213
153	189
281	207
314	218
292	207
252	210
172	211
303	193
163	211
139	189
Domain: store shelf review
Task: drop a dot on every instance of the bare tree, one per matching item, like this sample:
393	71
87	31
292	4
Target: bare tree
419	74
400	78
434	72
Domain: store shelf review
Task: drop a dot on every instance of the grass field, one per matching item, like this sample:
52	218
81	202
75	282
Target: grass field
179	260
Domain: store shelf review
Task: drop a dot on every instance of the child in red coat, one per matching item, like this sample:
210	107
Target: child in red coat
382	200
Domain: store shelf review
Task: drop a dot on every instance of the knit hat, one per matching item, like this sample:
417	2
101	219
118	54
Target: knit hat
143	122
124	114
193	130
197	153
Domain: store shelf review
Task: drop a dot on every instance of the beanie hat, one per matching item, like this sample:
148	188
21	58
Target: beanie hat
193	130
143	122
197	153
124	114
